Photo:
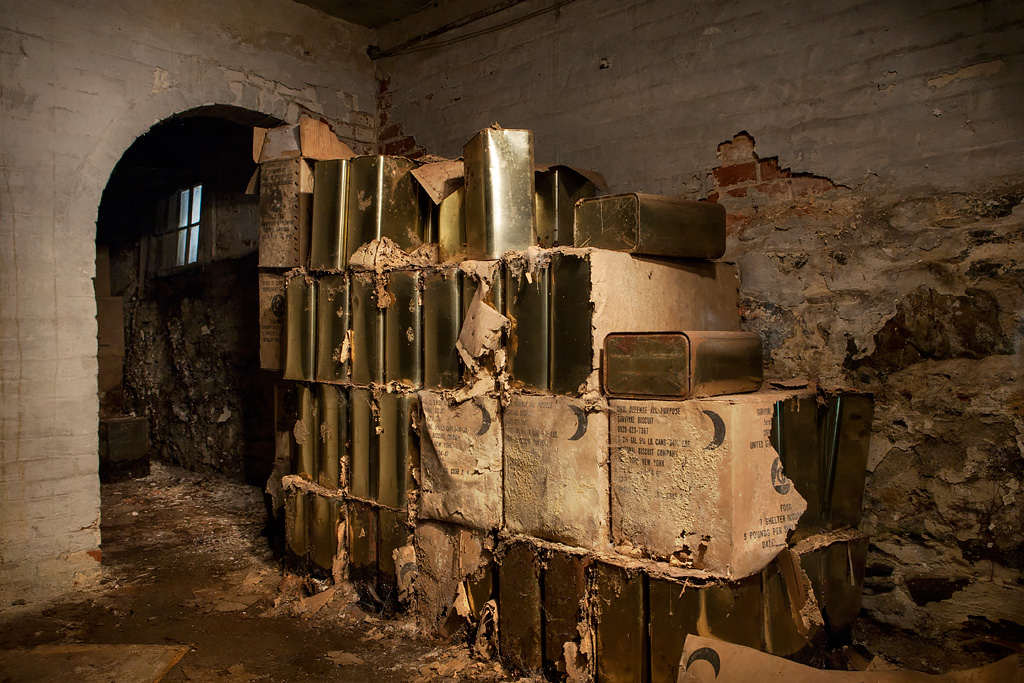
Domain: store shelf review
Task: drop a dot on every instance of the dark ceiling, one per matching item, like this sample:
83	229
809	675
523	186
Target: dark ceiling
370	13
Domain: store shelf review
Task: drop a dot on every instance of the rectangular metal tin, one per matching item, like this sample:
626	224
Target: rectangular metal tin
650	224
300	327
558	188
330	185
677	365
499	193
442	323
367	321
332	316
403	330
383	201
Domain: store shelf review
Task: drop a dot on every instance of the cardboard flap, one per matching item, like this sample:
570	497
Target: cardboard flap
318	141
706	659
440	178
259	136
253	186
589	174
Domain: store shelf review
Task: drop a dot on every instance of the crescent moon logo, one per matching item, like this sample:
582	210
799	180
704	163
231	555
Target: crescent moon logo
719	437
708	655
581	423
485	418
779	479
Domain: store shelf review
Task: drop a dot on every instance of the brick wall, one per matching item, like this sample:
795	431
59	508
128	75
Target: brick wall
870	159
78	83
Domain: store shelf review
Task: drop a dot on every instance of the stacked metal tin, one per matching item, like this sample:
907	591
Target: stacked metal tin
508	393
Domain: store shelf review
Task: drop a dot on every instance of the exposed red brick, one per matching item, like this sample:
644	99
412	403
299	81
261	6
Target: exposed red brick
400	146
713	197
384	84
776	189
734	175
737	192
769	169
739	151
96	554
391	132
383	118
809	186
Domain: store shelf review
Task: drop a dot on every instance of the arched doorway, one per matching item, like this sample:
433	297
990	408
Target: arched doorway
177	301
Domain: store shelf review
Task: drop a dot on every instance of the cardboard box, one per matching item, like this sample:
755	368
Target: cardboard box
519	601
596	292
272	319
556	469
460	461
286	205
308	138
451	560
698	480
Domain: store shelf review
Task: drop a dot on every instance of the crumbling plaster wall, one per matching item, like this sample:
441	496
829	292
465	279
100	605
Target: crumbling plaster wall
876	227
79	81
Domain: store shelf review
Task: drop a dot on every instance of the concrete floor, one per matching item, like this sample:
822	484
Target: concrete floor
185	564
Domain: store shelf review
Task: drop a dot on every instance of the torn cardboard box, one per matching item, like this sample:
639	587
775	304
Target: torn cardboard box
308	138
460	461
596	292
556	469
700	482
286	207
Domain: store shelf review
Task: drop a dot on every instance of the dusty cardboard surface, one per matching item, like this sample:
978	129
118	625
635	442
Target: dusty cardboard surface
556	469
285	214
272	319
384	254
705	660
460	461
440	178
693	480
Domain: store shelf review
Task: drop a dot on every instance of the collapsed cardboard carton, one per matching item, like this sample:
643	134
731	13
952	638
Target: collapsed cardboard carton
460	461
556	469
700	482
455	576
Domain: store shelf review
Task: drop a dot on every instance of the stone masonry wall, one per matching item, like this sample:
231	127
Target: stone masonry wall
78	83
870	158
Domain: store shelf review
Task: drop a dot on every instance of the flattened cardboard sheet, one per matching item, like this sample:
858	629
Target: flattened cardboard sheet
556	470
460	461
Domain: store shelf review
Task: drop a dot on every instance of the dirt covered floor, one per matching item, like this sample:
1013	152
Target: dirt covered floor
185	563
